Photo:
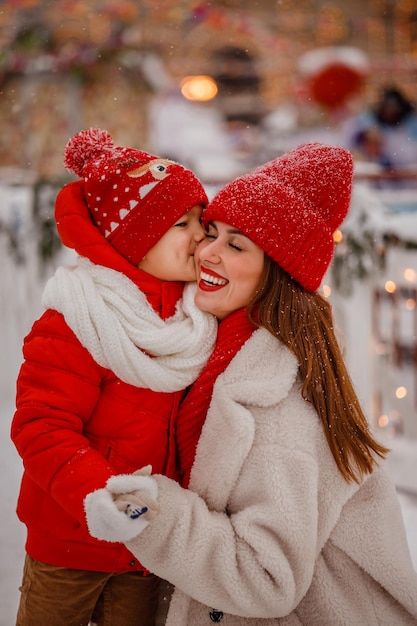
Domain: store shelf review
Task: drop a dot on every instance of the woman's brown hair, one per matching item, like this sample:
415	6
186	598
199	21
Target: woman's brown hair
303	321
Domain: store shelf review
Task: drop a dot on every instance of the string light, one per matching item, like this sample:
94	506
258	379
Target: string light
327	291
401	392
410	274
383	421
337	236
390	286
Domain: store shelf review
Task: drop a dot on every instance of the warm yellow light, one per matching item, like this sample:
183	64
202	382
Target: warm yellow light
401	392
200	88
383	421
337	236
390	286
410	274
327	291
410	304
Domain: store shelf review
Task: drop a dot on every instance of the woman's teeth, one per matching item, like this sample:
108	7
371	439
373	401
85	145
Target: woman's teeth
212	280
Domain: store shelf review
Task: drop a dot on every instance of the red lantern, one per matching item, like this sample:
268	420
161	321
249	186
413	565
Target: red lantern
334	75
335	85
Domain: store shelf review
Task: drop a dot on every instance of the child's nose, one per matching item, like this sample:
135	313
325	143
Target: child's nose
199	233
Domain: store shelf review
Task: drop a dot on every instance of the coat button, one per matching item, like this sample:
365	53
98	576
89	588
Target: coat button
216	616
132	563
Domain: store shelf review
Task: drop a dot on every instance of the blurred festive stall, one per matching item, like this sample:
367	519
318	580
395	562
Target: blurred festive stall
373	284
71	64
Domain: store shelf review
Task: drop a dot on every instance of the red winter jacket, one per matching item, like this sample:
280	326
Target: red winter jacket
77	424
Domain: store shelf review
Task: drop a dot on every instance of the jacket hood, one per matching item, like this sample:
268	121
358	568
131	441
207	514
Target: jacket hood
78	232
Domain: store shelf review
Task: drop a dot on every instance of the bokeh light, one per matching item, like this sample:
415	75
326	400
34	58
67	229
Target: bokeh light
199	88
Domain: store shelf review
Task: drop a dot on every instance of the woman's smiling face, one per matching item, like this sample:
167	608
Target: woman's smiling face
229	268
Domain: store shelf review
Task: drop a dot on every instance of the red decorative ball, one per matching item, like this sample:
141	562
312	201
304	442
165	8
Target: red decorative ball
335	84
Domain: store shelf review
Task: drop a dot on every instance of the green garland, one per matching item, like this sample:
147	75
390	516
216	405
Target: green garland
49	243
367	237
41	227
355	259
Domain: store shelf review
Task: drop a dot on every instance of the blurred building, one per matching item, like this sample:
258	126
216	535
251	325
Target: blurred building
71	64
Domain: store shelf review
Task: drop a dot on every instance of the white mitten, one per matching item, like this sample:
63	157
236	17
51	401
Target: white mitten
126	483
107	521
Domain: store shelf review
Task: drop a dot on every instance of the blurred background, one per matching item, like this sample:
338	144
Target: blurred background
221	86
262	70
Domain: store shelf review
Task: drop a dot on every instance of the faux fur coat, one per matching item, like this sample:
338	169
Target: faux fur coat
269	532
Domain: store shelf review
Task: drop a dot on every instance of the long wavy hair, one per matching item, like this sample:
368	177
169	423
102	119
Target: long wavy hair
303	321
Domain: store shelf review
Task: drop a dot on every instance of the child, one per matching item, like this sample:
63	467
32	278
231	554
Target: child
103	374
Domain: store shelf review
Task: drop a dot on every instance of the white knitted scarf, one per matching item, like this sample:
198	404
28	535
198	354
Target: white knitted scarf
113	319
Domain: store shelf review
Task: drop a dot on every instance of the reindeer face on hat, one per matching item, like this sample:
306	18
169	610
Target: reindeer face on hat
133	197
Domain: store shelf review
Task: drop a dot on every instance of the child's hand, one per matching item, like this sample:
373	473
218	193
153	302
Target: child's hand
125	519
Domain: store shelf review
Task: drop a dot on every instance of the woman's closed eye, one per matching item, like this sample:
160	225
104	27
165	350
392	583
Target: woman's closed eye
231	244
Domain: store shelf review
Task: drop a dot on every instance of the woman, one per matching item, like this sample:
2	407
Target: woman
288	518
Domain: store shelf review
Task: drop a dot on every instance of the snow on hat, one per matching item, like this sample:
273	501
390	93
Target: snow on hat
290	207
133	197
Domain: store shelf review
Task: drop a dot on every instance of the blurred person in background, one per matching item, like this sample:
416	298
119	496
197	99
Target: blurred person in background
386	134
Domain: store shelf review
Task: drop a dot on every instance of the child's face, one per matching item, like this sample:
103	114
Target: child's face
172	258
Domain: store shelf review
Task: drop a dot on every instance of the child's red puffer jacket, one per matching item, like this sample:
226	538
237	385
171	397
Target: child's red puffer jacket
76	423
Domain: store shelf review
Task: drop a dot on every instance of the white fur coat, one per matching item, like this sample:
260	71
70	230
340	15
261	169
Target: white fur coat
269	532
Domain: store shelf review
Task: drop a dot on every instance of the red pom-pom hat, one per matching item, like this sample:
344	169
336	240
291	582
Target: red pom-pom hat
133	197
290	207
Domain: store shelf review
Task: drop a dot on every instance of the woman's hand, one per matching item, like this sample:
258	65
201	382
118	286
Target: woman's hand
123	509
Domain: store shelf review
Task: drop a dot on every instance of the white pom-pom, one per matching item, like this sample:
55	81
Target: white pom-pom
84	146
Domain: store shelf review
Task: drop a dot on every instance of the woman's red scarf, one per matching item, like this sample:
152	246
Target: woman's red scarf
233	332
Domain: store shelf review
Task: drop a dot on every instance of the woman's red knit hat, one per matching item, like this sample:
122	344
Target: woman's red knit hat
290	207
133	197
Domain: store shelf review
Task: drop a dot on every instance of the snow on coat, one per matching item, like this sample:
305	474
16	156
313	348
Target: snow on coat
269	532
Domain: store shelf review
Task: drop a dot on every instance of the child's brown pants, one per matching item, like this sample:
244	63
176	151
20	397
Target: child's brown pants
57	596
